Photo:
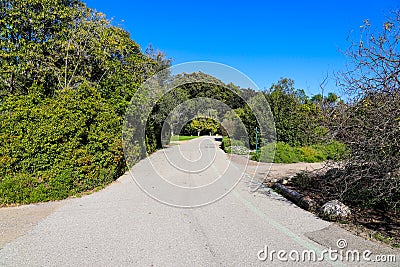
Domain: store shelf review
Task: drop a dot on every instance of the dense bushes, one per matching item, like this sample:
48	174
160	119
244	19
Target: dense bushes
297	118
226	142
285	153
300	129
233	146
53	148
66	79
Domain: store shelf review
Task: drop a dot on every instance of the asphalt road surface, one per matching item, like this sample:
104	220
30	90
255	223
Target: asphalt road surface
143	223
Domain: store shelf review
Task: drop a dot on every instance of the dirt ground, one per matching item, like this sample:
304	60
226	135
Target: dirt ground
16	221
269	171
380	225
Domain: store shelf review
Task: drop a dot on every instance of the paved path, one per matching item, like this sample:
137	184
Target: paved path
123	226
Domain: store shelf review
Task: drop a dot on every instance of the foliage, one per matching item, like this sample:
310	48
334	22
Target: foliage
54	148
249	120
233	146
27	38
182	138
198	84
54	45
369	123
157	119
66	78
203	125
202	87
226	142
284	153
297	118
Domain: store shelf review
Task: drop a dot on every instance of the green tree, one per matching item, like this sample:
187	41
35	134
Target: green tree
52	45
28	31
318	98
332	98
204	125
67	76
296	117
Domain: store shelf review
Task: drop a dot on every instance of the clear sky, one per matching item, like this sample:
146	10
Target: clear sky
265	40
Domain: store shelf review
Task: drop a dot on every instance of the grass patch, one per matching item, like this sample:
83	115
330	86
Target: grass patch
176	138
281	152
285	153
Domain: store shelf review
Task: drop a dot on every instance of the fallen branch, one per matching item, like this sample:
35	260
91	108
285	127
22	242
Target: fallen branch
300	200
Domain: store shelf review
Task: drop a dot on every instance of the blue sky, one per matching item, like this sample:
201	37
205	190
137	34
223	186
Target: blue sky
265	40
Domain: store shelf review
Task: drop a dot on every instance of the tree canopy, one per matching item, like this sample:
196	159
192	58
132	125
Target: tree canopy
67	75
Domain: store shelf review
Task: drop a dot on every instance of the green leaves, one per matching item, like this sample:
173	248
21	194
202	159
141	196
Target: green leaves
77	133
296	117
66	78
285	153
54	45
28	35
205	125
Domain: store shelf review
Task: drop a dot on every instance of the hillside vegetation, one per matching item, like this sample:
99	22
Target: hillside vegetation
67	76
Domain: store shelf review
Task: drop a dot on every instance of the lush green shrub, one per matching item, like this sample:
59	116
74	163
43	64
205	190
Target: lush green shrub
284	153
290	107
58	135
265	153
226	142
333	150
238	150
56	147
237	142
239	147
